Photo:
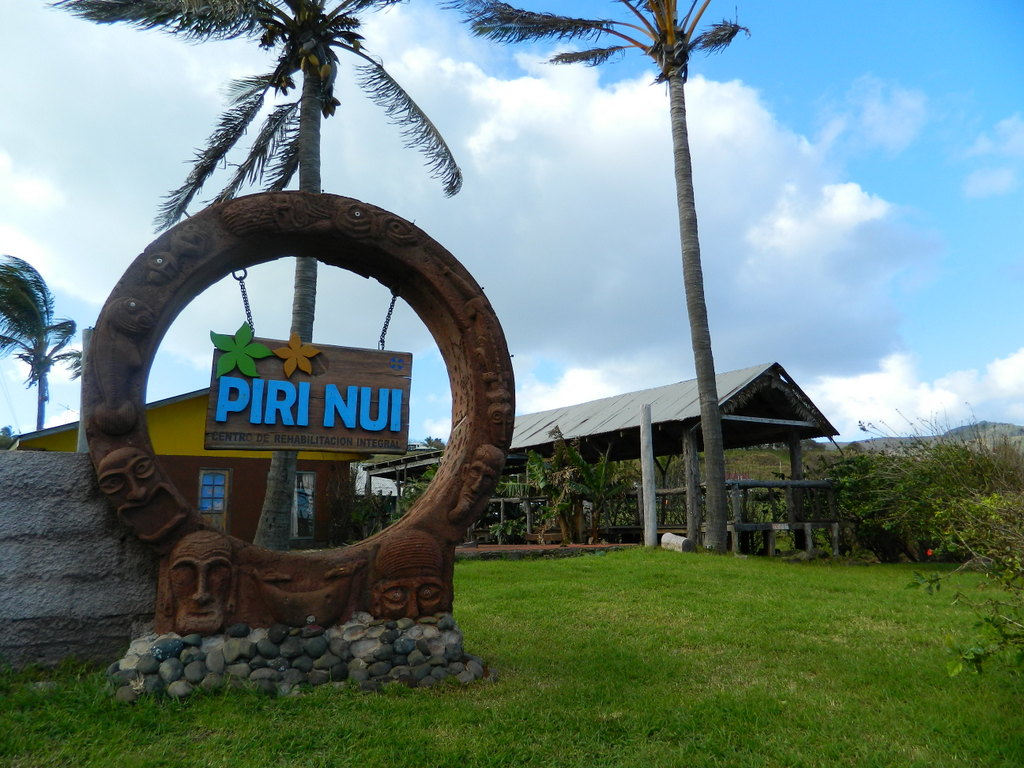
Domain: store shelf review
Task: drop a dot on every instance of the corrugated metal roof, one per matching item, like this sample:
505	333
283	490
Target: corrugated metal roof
673	402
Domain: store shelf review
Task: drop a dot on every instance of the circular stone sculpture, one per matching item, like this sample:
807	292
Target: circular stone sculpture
208	580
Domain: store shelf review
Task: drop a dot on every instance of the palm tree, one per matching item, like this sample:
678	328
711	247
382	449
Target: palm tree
657	29
29	329
306	36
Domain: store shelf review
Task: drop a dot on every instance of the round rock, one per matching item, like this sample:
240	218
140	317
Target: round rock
277	633
315	646
195	671
171	670
126	695
167	648
179	689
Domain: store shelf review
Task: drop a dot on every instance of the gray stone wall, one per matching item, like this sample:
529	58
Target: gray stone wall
74	581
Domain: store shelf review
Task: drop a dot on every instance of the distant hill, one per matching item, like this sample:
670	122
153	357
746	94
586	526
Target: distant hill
987	431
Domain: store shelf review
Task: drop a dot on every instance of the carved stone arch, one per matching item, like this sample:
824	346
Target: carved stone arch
341	232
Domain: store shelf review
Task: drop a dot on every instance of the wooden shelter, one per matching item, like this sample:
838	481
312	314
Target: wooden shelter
760	405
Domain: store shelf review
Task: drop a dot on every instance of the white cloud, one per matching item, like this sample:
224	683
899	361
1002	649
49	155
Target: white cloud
22	190
885	114
895	399
813	222
1006	139
575	385
990	182
1003	145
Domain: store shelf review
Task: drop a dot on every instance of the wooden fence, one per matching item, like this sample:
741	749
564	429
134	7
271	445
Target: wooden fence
759	510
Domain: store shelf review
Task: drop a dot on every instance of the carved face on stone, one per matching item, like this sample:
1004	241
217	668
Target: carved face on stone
201	576
409	583
129	476
478	480
480	477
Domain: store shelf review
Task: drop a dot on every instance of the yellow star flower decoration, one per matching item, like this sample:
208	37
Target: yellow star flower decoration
296	355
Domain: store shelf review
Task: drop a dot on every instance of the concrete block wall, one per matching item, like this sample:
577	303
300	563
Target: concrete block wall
74	581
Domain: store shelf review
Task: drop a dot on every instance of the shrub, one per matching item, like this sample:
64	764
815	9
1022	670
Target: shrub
992	529
905	500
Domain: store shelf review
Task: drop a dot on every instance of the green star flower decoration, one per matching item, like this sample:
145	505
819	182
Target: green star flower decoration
240	351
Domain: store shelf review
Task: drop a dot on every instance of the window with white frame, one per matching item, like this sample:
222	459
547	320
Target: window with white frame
303	505
214	485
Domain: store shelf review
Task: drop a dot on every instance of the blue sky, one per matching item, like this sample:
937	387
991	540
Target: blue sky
858	167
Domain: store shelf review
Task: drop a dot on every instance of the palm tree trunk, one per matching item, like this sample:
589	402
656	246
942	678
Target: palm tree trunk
274	531
697	314
42	395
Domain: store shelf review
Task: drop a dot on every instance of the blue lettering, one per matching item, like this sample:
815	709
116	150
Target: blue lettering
226	385
334	404
396	410
302	417
256	412
280	400
365	421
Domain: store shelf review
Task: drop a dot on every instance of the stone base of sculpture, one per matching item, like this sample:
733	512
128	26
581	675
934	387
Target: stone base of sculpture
280	660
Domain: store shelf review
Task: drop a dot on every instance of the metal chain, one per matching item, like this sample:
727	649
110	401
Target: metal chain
245	297
387	320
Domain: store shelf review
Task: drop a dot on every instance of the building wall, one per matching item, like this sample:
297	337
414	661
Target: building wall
177	429
74	580
247	486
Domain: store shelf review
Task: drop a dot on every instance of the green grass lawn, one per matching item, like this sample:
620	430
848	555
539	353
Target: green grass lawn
635	658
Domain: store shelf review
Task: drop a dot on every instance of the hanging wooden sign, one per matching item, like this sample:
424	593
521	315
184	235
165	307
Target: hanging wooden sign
285	395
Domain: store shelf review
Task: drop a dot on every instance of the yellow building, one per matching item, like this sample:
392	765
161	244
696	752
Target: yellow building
226	486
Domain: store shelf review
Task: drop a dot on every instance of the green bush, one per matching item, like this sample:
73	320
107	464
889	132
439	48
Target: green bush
904	501
991	528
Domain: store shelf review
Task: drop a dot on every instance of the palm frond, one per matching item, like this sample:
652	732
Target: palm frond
26	303
503	23
287	163
60	333
355	6
72	360
264	148
231	127
47	350
717	37
242	89
417	129
191	19
592	58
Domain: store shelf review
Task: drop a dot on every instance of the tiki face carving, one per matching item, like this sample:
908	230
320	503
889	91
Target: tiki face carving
128	473
410	583
202	578
478	480
130	478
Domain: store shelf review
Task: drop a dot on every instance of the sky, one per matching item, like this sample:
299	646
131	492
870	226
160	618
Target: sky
859	174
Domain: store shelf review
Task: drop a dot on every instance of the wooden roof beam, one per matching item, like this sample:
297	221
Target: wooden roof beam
772	422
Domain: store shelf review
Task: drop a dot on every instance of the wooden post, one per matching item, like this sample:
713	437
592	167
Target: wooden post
691	467
501	519
650	508
528	505
736	495
796	472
